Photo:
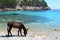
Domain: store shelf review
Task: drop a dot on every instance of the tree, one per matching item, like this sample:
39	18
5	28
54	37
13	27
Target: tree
36	3
44	4
30	3
9	3
24	2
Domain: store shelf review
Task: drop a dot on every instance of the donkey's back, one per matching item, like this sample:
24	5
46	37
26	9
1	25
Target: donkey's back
15	24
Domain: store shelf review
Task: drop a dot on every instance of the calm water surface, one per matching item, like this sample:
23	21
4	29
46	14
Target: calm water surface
38	18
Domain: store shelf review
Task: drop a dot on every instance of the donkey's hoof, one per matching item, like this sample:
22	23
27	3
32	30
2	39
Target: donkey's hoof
19	36
11	35
7	35
23	36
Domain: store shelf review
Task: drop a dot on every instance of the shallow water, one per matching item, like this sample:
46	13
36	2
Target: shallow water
46	19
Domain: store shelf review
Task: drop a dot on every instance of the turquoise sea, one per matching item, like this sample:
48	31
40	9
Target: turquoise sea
40	19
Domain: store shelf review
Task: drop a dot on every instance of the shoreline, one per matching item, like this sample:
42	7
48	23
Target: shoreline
25	8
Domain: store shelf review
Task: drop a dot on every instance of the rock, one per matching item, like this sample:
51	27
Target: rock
26	8
38	8
47	8
18	8
9	9
1	10
29	8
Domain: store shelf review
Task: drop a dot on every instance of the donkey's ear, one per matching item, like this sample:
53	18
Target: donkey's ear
27	29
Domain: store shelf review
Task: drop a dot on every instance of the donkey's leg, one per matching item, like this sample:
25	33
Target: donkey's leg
18	32
9	30
21	32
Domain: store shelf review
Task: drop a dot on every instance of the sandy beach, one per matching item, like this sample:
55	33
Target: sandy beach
32	35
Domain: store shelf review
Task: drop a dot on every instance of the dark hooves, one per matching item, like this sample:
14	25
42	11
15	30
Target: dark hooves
9	35
23	36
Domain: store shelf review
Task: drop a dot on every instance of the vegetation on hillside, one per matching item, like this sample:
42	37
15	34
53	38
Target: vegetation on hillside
8	3
14	3
36	3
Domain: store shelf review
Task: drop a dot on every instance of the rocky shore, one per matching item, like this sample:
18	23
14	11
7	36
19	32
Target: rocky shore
26	8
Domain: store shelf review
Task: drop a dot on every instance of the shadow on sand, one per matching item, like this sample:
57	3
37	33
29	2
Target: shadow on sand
10	36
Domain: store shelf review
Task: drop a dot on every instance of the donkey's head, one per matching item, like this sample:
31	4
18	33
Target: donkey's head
25	31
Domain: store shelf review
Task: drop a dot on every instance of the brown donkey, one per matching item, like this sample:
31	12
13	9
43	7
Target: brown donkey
16	25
